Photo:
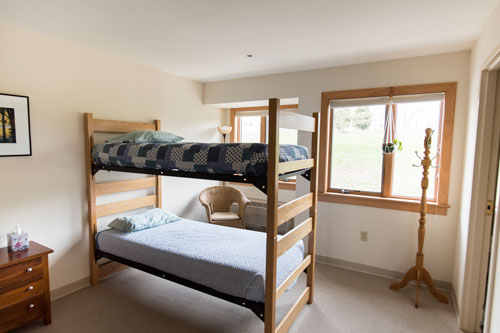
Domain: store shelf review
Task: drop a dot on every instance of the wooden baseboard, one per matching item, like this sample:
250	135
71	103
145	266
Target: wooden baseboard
106	269
455	303
442	285
69	288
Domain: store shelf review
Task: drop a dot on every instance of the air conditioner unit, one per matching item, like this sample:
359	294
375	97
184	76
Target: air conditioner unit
255	218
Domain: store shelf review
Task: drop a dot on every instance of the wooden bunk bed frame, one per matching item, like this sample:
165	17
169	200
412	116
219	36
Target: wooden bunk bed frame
275	215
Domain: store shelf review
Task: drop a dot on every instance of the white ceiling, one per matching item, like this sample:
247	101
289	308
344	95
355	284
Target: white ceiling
208	40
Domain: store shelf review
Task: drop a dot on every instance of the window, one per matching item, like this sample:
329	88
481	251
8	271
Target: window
355	125
356	158
411	118
250	125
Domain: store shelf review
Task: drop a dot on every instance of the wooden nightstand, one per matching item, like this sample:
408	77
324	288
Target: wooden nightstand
24	286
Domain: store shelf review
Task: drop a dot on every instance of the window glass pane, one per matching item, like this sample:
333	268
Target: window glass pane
411	121
250	129
357	135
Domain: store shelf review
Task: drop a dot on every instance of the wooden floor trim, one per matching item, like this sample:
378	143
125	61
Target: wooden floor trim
69	288
373	270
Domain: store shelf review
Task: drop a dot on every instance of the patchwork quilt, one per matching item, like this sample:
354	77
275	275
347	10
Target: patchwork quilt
249	159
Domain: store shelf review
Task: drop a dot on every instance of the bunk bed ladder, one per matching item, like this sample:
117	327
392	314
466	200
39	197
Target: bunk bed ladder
278	215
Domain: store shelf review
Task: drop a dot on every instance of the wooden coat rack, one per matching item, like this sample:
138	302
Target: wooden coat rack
418	272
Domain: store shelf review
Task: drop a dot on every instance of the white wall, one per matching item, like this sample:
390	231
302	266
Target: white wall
392	234
487	43
46	193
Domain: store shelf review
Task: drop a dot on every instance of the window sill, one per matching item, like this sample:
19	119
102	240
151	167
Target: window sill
282	185
387	203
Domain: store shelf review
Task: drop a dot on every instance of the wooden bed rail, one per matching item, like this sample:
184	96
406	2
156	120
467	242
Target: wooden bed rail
125	205
286	167
294	311
294	235
115	126
278	215
125	185
293	276
296	121
294	208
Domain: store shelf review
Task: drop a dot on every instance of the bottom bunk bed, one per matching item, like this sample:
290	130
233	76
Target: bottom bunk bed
225	262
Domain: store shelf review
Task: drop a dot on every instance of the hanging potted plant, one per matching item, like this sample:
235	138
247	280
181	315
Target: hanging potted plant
390	143
388	148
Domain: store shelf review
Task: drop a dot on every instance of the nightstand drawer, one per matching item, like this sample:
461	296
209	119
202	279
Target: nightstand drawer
21	292
21	312
20	272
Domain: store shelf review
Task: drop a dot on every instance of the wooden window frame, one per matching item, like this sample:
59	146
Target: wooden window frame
384	199
236	125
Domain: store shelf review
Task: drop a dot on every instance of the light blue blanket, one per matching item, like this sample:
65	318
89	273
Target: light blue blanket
232	261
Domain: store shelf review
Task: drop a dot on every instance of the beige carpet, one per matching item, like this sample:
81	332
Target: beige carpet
346	301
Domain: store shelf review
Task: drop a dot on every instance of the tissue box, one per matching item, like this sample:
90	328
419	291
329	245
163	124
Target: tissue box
18	242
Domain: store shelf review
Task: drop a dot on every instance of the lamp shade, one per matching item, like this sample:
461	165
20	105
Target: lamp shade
224	129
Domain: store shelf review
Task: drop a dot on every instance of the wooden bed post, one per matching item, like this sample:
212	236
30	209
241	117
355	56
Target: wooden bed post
313	187
89	143
93	190
278	215
158	188
272	214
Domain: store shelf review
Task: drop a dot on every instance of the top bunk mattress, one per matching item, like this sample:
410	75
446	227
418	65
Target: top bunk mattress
229	260
248	159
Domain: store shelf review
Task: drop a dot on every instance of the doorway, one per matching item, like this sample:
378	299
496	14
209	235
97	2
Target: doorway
488	311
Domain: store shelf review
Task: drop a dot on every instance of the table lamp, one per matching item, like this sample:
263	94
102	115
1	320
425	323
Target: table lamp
224	130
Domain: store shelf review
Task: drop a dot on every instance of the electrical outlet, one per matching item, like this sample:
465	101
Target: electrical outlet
364	236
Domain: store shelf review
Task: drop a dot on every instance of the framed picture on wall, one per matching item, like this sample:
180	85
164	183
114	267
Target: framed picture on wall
15	134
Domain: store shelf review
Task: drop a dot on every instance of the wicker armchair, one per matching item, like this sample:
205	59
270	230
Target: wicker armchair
218	200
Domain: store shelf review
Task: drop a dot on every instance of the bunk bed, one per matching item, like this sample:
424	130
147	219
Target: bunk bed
267	182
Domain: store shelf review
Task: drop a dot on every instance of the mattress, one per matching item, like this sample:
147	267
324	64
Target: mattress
249	159
229	260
